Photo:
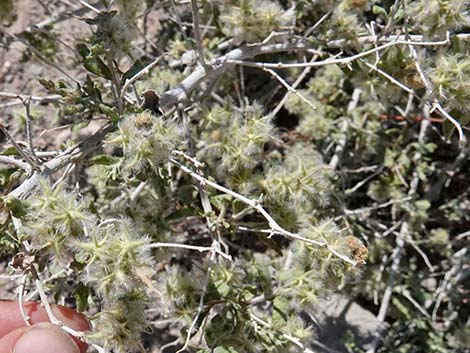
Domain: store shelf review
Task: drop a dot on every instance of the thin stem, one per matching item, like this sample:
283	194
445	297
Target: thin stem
297	82
51	98
89	6
197	32
23	154
389	77
462	139
24	315
134	78
290	88
27	107
191	247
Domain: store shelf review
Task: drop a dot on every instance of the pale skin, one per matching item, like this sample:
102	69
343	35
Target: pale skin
41	336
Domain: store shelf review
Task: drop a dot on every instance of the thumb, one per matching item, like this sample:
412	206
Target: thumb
45	338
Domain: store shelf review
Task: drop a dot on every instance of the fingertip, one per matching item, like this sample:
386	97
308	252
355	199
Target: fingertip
45	338
7	342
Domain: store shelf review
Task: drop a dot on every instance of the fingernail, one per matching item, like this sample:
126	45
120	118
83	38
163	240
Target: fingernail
45	338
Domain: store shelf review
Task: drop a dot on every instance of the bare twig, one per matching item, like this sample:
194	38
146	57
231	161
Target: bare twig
89	6
340	43
290	88
460	257
297	82
376	207
416	304
217	66
197	32
45	99
23	154
27	107
15	162
317	24
396	257
462	139
339	61
356	95
200	306
60	161
389	77
400	244
215	249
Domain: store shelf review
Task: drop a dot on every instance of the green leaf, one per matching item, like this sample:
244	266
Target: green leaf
225	350
378	10
81	294
103	159
280	312
80	125
96	66
16	206
91	89
47	84
104	69
218	201
430	147
10	151
181	214
219	350
402	308
92	66
223	289
9	175
83	50
423	205
110	112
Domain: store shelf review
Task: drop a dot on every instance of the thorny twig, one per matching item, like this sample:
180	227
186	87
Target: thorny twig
275	227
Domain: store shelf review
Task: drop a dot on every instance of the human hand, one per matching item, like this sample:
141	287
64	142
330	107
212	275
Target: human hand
42	336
